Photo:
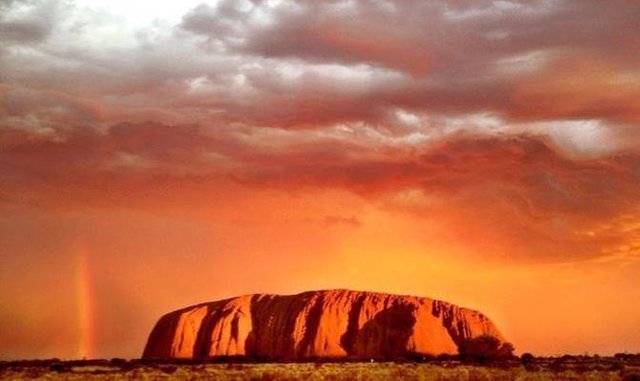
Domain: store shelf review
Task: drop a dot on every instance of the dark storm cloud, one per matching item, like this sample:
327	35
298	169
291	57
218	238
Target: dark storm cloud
320	63
26	22
486	56
454	36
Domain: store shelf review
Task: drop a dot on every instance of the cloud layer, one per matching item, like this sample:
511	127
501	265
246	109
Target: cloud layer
525	111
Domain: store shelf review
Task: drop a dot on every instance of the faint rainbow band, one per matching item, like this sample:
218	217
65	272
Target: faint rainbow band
84	301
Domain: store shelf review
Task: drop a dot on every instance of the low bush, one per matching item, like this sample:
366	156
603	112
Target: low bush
484	348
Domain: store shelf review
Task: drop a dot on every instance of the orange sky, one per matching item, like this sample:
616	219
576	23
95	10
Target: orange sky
154	159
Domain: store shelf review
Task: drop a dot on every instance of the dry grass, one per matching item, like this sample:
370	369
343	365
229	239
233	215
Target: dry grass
309	372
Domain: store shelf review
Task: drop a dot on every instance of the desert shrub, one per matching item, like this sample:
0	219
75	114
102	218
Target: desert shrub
127	366
615	366
484	348
557	365
526	358
119	362
59	367
627	357
420	357
446	357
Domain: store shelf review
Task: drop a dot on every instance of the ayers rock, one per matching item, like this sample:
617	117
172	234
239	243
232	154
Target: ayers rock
332	324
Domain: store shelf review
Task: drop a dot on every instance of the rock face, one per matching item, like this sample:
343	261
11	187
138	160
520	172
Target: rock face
332	324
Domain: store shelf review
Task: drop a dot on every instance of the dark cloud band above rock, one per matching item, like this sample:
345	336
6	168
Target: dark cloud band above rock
508	190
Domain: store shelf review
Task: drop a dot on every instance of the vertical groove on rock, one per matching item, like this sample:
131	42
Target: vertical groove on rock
348	338
203	338
312	319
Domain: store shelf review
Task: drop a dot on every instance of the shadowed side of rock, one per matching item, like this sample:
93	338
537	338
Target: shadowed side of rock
333	324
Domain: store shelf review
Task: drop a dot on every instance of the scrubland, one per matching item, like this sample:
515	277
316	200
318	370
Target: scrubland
564	368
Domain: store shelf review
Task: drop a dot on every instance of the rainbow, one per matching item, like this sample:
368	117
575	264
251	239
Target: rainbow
84	302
